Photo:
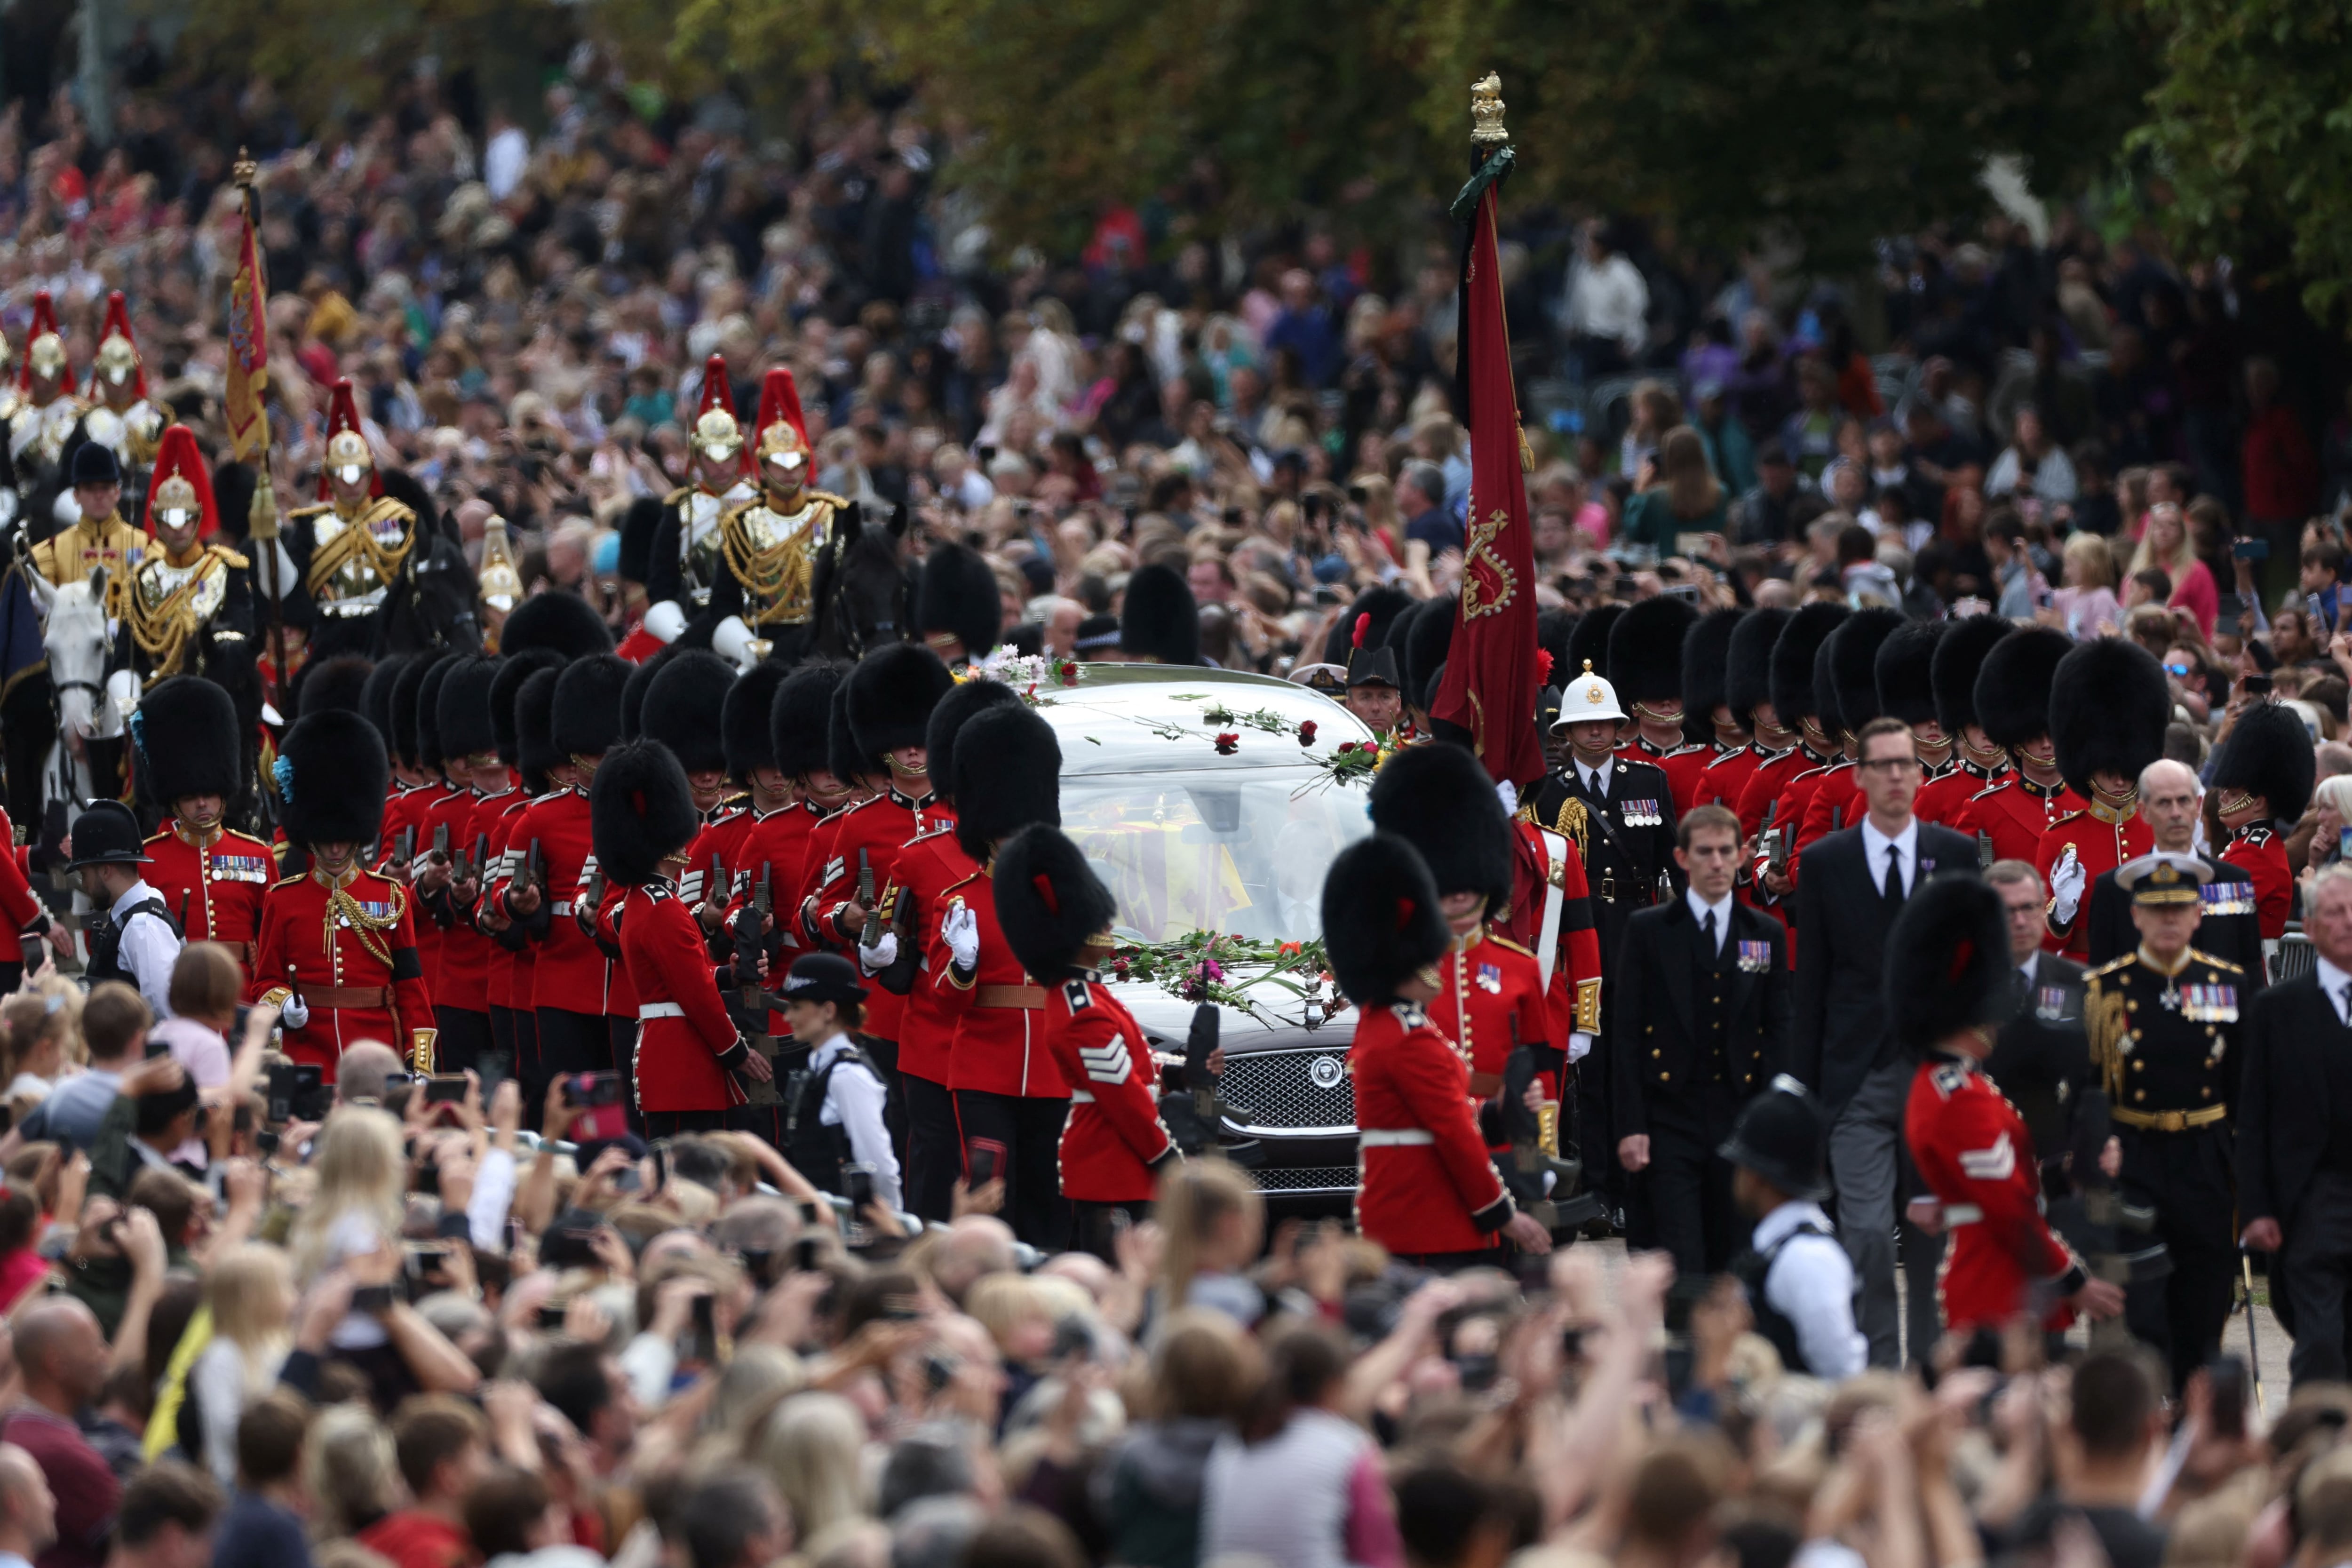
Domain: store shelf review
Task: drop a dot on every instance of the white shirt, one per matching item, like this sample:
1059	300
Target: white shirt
1611	299
2027	968
503	162
148	950
2332	982
1811	1284
1875	846
1595	779
854	1100
1700	908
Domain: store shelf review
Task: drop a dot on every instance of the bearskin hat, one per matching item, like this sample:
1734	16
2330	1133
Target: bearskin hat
586	721
1959	657
340	682
2110	706
379	702
842	759
799	718
332	775
1854	664
1158	621
742	739
1438	798
404	705
1382	605
956	596
428	721
1645	650
462	709
506	687
535	751
1428	638
1905	689
683	705
1748	666
638	526
186	732
2269	753
1553	628
892	691
641	679
1790	678
2012	690
564	622
958	708
640	811
1706	667
1049	902
1382	922
1589	644
1008	775
1947	966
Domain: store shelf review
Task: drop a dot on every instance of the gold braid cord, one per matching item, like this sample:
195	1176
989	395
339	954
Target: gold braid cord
162	632
369	928
358	541
2103	1017
779	578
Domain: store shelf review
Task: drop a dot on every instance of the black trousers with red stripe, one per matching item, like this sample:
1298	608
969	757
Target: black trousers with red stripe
1031	1132
464	1038
934	1148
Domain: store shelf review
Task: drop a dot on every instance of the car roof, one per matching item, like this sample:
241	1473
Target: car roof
1148	718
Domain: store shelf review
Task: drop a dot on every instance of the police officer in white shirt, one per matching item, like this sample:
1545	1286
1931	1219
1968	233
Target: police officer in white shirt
1799	1281
835	1107
138	941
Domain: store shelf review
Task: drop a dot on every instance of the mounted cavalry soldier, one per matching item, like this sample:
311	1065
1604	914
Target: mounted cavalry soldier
120	417
189	610
776	551
43	416
689	548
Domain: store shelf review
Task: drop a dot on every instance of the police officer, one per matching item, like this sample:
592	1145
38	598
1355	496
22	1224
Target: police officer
837	1106
1799	1281
2163	1031
137	941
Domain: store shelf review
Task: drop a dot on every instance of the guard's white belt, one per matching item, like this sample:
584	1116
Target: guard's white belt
1081	1097
660	1010
1961	1214
563	909
1395	1137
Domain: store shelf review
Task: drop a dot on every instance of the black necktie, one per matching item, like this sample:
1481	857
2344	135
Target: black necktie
1707	929
1894	873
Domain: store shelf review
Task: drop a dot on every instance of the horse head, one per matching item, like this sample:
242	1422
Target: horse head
79	647
866	604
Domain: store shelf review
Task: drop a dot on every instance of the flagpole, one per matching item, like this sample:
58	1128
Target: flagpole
261	517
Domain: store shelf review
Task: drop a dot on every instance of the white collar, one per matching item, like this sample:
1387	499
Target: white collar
137	893
1700	908
1598	774
828	1050
1877	842
2028	967
2332	980
1782	1222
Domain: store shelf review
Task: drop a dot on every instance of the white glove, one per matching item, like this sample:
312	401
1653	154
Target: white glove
122	695
295	1014
664	621
1508	793
1579	1046
732	639
882	954
2067	880
961	932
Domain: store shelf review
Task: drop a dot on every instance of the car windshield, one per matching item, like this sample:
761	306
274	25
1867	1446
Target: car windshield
1223	852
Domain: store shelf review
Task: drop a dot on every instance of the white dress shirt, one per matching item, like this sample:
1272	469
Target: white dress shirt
1594	779
854	1100
2333	981
1700	908
148	950
1810	1283
1875	846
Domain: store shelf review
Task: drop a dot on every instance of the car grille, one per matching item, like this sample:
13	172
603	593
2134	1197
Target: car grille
1280	1091
1305	1178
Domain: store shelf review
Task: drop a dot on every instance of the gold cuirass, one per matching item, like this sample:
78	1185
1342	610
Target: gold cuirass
355	559
701	556
773	555
171	601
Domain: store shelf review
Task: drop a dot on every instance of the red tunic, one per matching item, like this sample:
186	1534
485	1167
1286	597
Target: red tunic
463	979
1974	1153
1426	1183
1575	989
1773	773
2016	812
570	970
1726	778
1836	802
1492	1000
354	964
2102	839
686	1043
927	867
20	907
721	835
213	884
1683	765
1113	1142
421	803
1945	799
2264	855
878	827
999	1014
510	966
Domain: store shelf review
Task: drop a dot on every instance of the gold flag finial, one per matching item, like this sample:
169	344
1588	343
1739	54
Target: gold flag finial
1486	111
243	171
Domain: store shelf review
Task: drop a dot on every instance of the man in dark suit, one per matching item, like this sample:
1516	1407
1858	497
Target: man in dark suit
1702	1014
2042	1055
2294	1138
2230	927
1855	882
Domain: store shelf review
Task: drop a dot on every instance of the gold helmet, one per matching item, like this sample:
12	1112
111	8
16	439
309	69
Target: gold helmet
500	582
349	449
174	493
117	360
117	356
782	435
47	356
716	433
44	349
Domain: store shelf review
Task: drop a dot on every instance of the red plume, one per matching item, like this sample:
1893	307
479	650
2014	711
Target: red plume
780	398
117	325
1045	887
1363	624
1963	952
177	453
1543	666
1405	908
344	414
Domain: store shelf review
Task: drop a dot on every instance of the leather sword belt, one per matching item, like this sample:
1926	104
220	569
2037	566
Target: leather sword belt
2169	1121
1010	996
344	995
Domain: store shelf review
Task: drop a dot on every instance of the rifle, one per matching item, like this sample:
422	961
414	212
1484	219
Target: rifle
184	912
714	891
751	997
1195	1117
440	856
592	898
469	870
866	900
1532	1152
1985	852
403	850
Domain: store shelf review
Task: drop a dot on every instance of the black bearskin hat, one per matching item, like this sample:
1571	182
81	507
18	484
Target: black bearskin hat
683	704
1854	664
2109	707
377	698
404	705
958	708
843	758
586	720
1706	667
1790	679
1906	688
564	622
892	691
506	687
2012	690
957	595
186	732
1382	923
332	774
1428	638
1645	650
640	810
341	682
1049	902
1947	966
535	751
1159	620
1438	798
2270	753
1589	644
744	738
429	750
1748	666
1382	605
1553	630
1825	687
641	680
1959	657
1008	775
462	710
799	718
638	526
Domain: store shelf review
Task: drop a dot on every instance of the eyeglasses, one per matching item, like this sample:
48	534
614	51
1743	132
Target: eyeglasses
2177	669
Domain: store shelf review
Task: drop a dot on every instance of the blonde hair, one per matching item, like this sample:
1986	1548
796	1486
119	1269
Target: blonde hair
811	1448
2182	557
1690	485
1002	1303
250	1291
1195	1196
349	1466
2094	559
361	1173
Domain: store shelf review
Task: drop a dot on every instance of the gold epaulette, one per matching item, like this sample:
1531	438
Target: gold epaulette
2223	964
230	557
289	881
2104	1021
1506	941
315	509
836	503
2114	966
2069	816
677	495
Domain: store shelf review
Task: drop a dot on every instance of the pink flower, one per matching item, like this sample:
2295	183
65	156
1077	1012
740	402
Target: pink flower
1306	733
1227	743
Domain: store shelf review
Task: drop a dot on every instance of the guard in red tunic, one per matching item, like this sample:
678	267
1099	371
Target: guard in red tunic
524	747
684	705
2262	784
1427	1190
1779	692
1949	987
448	886
2012	701
1645	665
2109	707
1057	914
1706	698
1977	764
338	945
185	737
689	1052
1906	691
24	919
395	723
1773	805
1851	668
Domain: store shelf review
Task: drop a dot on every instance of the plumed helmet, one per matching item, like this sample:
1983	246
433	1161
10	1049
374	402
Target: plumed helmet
1382	923
1383	605
564	622
332	774
641	680
535	751
1049	902
748	741
1960	658
2269	753
956	597
1008	775
1854	664
506	687
377	700
1438	798
2012	690
640	811
1646	651
958	708
586	720
1707	666
799	716
340	682
1947	964
683	708
185	733
1589	642
1791	677
462	710
1748	666
1905	689
2109	707
892	691
429	749
1158	621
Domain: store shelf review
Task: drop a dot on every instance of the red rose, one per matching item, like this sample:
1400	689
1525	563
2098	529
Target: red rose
1306	733
1346	746
1069	675
1226	742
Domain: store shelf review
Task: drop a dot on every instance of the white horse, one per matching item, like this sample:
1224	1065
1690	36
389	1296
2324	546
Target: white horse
75	636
